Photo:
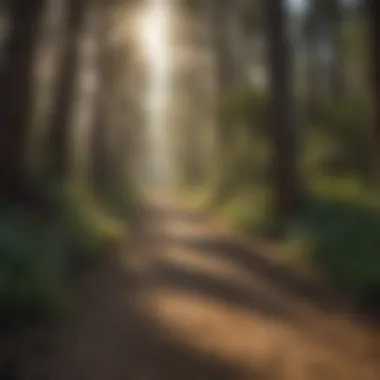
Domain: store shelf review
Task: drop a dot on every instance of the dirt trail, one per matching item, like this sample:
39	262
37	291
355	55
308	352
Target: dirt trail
186	299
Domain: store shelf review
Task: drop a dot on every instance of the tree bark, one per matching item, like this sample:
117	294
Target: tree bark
16	96
99	168
313	89
285	180
225	70
60	123
373	12
337	79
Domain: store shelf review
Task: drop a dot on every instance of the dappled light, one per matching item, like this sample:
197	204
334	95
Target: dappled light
189	189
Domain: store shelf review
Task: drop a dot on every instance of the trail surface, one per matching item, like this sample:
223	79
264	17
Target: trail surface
187	299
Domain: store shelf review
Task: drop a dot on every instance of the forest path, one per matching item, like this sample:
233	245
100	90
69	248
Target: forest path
188	299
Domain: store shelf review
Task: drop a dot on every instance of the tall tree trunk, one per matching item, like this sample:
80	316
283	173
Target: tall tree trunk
337	79
285	180
16	95
99	138
313	89
225	70
373	12
60	124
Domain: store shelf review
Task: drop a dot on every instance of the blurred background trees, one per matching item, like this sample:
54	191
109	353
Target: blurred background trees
65	181
308	110
271	110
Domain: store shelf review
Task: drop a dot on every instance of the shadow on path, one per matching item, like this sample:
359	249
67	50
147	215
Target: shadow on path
116	339
228	292
283	277
147	315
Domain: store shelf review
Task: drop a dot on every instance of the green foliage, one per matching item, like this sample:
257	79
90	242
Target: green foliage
89	230
40	255
339	143
123	201
31	274
249	209
340	229
337	233
246	162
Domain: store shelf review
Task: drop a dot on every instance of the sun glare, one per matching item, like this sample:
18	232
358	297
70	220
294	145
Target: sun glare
154	30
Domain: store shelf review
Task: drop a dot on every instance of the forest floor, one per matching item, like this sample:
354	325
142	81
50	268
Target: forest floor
187	298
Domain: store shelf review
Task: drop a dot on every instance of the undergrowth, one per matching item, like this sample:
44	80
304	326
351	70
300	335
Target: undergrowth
338	232
42	255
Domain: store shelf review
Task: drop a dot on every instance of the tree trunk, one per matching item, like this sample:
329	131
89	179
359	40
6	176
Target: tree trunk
337	79
225	71
16	96
373	10
284	179
60	124
99	139
313	89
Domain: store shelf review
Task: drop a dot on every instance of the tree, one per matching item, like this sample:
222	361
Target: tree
66	86
312	35
114	136
16	96
373	12
323	25
225	70
284	171
337	78
99	137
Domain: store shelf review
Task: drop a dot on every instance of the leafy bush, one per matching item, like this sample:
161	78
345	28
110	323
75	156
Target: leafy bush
39	256
31	270
88	228
338	232
341	225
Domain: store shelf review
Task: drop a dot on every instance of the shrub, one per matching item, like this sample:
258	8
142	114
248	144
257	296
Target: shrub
32	270
40	256
341	225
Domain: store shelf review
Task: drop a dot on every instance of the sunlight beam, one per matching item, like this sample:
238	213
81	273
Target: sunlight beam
154	31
